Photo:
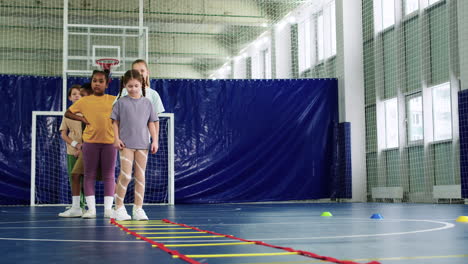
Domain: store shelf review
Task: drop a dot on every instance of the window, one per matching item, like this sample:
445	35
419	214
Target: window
391	123
388	13
264	63
411	6
433	1
320	46
329	30
384	14
305	46
414	118
442	112
333	28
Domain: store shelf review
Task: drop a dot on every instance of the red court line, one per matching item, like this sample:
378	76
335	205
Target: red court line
301	252
159	245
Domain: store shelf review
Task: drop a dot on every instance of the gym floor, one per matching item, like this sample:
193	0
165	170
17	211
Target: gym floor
407	234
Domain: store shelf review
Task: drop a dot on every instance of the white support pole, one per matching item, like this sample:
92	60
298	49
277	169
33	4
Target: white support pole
170	155
140	26
65	55
350	73
33	160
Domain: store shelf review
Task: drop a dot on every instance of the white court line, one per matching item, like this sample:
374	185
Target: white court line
330	221
65	240
445	226
35	221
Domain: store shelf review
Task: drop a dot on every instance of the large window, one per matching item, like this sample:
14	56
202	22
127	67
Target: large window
329	24
391	123
411	6
326	32
320	36
305	45
384	14
317	37
414	118
442	112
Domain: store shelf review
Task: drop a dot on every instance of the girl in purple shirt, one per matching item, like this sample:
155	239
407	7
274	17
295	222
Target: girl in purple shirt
133	120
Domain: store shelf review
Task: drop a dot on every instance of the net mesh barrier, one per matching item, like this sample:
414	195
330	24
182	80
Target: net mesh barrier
411	71
51	180
411	60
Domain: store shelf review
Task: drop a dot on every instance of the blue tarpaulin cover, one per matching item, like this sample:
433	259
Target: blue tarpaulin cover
235	140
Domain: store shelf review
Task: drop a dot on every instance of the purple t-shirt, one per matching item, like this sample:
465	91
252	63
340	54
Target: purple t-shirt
134	115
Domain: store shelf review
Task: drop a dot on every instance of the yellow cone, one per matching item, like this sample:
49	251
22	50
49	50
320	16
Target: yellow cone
462	219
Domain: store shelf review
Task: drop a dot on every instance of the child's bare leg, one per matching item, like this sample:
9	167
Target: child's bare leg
76	184
126	164
141	157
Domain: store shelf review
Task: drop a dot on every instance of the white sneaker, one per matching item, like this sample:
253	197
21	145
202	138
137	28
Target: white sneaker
89	214
121	214
72	212
107	213
139	214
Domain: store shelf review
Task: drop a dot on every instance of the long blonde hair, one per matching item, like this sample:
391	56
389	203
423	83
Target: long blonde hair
146	65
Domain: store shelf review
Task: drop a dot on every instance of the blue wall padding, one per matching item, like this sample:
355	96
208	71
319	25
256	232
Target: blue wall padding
235	140
342	178
463	124
252	140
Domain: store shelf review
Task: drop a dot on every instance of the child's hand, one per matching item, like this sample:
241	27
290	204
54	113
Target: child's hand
118	144
83	119
77	153
79	146
154	147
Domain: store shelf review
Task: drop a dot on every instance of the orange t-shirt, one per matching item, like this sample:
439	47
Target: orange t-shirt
97	110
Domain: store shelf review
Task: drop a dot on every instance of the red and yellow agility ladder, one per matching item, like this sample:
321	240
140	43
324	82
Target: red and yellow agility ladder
131	226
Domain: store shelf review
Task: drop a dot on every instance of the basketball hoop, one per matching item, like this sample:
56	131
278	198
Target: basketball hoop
107	63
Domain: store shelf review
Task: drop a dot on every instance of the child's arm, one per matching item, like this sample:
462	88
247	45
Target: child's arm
117	142
70	141
71	115
154	131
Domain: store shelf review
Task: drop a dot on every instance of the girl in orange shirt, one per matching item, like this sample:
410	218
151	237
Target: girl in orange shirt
98	137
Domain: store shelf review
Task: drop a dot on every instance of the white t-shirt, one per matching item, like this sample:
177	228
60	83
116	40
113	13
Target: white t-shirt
153	96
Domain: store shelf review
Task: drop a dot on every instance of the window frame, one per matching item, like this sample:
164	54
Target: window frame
386	122
304	37
408	119
434	123
405	12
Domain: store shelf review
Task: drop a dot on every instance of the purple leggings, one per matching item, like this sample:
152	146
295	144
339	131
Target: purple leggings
95	154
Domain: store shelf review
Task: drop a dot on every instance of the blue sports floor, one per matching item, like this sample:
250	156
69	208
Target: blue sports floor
408	234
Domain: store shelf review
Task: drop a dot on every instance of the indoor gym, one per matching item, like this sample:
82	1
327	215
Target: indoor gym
320	131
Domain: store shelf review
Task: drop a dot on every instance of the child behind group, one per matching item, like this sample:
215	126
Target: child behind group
133	115
77	172
98	137
142	67
71	133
